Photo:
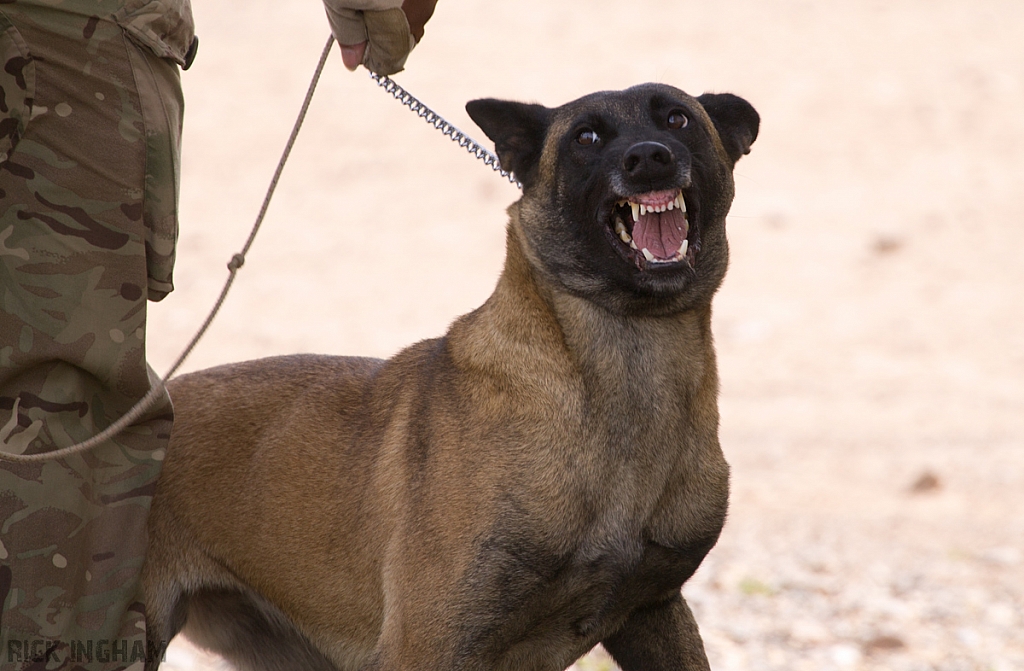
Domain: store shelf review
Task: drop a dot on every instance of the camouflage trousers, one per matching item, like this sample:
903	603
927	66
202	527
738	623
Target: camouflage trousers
90	121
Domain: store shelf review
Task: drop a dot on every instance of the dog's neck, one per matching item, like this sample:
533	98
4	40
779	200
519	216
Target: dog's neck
528	333
606	397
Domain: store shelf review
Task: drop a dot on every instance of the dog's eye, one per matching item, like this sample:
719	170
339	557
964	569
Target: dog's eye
676	119
588	136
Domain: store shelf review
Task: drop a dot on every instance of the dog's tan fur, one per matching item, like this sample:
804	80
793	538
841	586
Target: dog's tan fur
503	497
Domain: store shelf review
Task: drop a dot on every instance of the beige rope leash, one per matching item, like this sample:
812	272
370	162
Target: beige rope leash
236	262
421	110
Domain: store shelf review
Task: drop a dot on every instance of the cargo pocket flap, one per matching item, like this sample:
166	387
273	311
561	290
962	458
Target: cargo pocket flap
165	27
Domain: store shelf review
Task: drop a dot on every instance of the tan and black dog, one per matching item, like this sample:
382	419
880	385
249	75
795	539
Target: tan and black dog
542	478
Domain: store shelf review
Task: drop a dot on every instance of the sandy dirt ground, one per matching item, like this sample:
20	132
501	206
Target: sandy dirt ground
870	332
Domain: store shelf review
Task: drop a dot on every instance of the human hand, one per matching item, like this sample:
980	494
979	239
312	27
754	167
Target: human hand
378	33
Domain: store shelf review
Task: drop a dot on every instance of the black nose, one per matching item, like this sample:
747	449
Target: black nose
649	160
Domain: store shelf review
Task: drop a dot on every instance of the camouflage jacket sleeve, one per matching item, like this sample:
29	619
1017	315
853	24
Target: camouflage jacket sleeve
166	29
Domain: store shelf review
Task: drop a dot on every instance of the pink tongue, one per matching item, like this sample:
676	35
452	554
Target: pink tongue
661	232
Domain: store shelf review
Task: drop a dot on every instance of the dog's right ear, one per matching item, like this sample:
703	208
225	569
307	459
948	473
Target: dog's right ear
518	131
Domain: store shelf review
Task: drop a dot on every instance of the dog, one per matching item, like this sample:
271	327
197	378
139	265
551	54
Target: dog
542	478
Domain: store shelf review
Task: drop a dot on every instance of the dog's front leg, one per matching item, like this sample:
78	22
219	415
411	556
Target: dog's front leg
659	638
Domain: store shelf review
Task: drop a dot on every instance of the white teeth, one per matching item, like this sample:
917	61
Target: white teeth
640	210
620	230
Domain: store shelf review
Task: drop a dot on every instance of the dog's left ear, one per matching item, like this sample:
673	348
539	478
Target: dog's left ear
518	131
735	119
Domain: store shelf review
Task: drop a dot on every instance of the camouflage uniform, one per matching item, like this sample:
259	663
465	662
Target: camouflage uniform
90	120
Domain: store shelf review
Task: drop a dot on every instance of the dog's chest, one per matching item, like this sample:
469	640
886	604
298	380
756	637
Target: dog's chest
606	588
658	491
618	509
630	562
544	595
535	601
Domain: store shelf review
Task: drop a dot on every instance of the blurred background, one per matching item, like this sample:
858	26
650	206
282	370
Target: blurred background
870	331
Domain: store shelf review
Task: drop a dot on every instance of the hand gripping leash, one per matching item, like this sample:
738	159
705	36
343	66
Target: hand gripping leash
236	262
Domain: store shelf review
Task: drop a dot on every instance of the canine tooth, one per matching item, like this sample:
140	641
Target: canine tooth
636	211
680	203
624	236
647	254
683	247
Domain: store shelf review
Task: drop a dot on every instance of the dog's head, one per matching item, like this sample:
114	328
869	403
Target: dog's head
625	193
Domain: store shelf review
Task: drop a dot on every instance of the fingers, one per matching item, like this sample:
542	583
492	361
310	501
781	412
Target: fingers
352	55
346	24
378	33
390	41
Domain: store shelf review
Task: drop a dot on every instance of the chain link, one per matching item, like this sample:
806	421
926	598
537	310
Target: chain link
439	122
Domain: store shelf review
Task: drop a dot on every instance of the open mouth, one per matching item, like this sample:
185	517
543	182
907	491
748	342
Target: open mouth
653	229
